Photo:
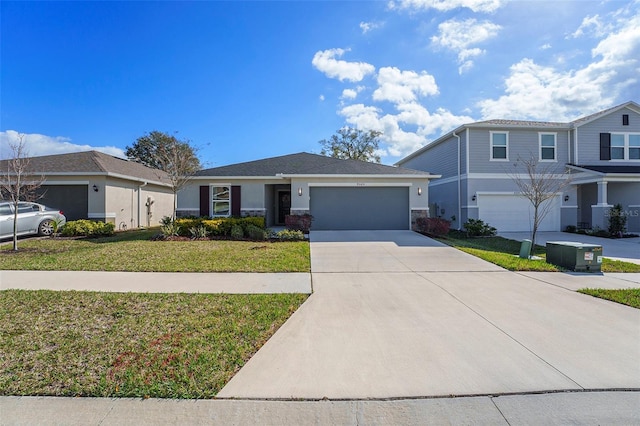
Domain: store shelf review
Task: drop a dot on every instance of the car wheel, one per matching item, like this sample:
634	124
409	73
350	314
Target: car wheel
46	227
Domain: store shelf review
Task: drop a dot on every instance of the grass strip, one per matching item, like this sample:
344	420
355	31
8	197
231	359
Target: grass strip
503	252
630	297
133	251
131	344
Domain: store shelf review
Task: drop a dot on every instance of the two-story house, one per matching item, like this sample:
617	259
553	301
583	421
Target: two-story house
478	162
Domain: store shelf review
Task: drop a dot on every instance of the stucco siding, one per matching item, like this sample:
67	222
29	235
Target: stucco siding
589	136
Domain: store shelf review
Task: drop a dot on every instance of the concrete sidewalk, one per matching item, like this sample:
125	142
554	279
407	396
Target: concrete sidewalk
536	409
157	282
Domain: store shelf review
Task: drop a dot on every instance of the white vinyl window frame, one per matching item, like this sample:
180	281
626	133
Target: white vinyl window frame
220	200
497	145
544	147
625	147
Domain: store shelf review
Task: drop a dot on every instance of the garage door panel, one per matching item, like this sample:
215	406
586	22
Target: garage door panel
71	199
514	213
341	208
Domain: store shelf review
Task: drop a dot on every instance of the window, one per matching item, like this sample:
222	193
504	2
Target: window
221	199
617	147
634	147
625	146
547	146
499	145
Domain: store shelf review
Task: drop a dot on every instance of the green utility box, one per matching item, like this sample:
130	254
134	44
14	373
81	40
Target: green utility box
577	257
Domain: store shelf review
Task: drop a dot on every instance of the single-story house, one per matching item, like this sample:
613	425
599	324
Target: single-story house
477	162
339	194
97	186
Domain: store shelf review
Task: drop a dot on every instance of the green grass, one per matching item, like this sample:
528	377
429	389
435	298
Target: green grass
131	345
503	252
133	251
630	297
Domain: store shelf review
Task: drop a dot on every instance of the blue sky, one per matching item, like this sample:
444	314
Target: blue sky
249	80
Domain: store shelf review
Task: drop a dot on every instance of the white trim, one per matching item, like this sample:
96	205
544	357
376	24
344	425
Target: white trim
65	182
491	133
555	147
101	215
359	184
602	205
254	209
634	206
363	176
469	206
507	176
568	207
180	209
272	177
419	208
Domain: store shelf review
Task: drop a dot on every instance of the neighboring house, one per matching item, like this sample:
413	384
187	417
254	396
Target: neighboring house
602	151
97	186
339	194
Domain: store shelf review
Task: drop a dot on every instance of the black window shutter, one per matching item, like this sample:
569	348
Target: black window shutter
204	200
235	200
605	146
625	119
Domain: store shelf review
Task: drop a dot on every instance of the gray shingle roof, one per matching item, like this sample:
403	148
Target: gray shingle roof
304	163
521	123
92	162
612	169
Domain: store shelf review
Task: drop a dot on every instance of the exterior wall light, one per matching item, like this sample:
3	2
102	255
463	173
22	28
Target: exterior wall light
566	198
419	191
473	198
299	192
95	188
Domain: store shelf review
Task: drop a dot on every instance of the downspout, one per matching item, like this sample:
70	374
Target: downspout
575	153
459	182
140	202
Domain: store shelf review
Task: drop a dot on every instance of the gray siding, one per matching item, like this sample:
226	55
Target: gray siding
523	144
589	136
439	159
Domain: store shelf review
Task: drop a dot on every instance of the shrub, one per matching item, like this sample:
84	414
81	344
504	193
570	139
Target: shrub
236	232
571	228
433	226
172	229
477	228
198	232
255	233
617	221
290	235
88	228
300	222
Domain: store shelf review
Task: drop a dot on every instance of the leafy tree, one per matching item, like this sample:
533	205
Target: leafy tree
175	158
355	144
539	184
17	183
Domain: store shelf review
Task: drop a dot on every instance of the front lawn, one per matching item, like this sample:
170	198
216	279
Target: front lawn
131	345
133	251
629	297
503	252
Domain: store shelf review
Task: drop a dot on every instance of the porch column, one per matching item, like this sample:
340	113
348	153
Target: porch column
599	212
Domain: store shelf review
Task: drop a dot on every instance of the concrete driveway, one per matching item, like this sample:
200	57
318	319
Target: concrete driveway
396	314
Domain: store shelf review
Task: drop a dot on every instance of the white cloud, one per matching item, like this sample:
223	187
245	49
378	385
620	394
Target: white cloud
546	46
321	97
460	36
349	94
325	61
446	5
534	91
591	25
403	86
370	26
37	145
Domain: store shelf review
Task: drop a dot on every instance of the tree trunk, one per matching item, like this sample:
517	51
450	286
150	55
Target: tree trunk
15	228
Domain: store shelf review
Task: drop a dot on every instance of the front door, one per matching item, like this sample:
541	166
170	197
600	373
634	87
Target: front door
284	205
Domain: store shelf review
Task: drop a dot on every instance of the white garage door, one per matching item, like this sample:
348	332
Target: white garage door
514	213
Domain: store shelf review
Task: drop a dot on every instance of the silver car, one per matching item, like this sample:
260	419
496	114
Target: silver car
33	218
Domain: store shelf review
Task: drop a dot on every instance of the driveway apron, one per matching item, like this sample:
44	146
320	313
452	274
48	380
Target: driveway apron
396	314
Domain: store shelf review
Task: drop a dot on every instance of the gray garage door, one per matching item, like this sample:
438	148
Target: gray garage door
337	208
73	200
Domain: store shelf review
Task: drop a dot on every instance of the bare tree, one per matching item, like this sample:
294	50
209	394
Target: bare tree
17	183
539	184
176	158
